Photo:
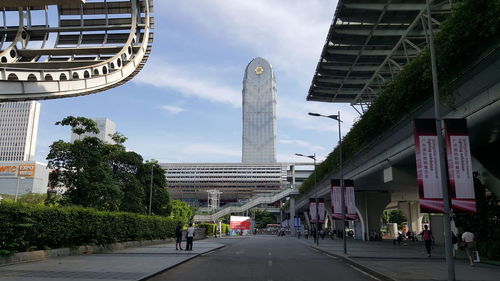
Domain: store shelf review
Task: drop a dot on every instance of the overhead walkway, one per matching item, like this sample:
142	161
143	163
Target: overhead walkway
252	203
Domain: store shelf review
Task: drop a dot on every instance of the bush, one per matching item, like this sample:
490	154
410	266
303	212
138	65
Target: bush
26	228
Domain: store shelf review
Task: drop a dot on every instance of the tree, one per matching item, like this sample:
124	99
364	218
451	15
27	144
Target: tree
118	138
160	196
79	125
263	218
180	211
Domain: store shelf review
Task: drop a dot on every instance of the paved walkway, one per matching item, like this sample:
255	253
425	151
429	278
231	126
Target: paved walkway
128	264
405	262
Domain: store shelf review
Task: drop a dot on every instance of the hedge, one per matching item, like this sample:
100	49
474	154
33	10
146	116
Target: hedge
462	38
212	228
34	227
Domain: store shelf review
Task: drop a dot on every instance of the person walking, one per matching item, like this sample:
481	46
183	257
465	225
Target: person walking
189	237
468	239
178	236
428	239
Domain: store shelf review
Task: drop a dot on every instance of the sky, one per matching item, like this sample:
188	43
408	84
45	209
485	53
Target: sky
185	105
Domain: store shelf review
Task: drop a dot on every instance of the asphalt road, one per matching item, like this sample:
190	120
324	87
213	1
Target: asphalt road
264	258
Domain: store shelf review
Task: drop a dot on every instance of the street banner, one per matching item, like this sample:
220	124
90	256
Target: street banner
297	221
312	210
459	165
336	197
429	172
350	200
321	209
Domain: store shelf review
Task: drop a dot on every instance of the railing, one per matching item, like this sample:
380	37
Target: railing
239	208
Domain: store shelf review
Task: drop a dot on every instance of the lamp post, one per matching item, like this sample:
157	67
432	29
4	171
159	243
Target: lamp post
151	190
316	235
17	188
342	187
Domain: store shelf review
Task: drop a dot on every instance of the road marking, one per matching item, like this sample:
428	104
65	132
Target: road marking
365	273
270	263
333	257
208	253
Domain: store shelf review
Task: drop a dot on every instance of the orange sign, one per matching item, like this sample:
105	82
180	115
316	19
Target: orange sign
26	170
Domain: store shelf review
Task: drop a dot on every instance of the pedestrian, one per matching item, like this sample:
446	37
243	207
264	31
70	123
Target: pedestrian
189	237
468	239
428	239
306	233
178	236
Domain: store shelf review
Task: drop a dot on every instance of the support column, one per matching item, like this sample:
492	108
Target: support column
372	207
292	215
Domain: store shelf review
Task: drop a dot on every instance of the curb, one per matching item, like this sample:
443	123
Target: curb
177	264
347	260
73	251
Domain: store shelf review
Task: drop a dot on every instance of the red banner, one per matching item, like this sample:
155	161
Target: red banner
336	197
460	165
350	200
237	222
321	210
428	166
313	211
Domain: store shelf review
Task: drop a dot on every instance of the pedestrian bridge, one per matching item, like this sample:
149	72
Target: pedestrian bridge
256	201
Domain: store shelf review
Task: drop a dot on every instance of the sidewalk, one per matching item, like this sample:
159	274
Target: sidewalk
128	264
393	262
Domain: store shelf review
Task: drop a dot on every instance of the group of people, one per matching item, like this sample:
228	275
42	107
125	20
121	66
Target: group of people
462	242
189	237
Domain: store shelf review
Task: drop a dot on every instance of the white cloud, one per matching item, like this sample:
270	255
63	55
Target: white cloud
173	109
301	143
210	149
187	81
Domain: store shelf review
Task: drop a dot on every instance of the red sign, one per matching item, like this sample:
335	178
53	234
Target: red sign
242	223
460	165
429	172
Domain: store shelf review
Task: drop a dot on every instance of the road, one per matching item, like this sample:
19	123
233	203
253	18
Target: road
264	258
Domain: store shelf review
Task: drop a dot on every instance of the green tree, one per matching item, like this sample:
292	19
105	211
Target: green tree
180	211
158	186
394	216
79	125
263	218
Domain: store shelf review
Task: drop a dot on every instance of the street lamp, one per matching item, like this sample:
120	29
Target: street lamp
342	187
151	190
316	235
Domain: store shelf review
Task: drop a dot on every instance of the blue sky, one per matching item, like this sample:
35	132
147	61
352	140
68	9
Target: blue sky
185	105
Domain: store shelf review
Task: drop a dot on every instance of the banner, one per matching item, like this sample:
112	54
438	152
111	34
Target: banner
459	165
240	223
296	221
321	210
350	200
428	166
336	197
312	210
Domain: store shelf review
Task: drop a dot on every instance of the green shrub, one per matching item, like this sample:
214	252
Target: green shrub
26	227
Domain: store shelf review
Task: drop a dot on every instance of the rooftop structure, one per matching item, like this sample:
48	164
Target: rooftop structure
96	45
370	41
106	128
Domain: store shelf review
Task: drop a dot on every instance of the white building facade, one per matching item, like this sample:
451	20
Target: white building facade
18	130
23	177
106	128
259	113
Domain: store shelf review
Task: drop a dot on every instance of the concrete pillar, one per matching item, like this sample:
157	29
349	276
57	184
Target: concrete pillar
411	209
292	215
436	226
371	204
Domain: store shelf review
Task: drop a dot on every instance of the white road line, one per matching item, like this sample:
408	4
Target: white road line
365	273
208	253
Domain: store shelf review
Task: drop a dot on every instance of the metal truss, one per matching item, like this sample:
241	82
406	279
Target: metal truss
95	45
369	42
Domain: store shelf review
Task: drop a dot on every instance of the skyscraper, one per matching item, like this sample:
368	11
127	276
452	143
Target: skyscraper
18	130
106	128
259	113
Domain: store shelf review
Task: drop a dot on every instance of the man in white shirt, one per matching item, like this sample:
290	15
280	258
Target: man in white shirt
189	237
468	238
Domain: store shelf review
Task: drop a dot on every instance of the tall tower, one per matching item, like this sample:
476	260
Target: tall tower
259	113
18	130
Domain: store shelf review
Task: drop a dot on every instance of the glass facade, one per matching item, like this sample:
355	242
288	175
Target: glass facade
259	113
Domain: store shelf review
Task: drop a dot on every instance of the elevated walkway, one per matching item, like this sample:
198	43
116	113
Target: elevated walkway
252	203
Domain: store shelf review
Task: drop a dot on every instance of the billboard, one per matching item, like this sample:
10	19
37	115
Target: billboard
429	172
240	225
17	169
459	165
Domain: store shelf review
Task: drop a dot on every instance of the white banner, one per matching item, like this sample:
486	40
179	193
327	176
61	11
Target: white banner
312	210
321	210
336	197
350	200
